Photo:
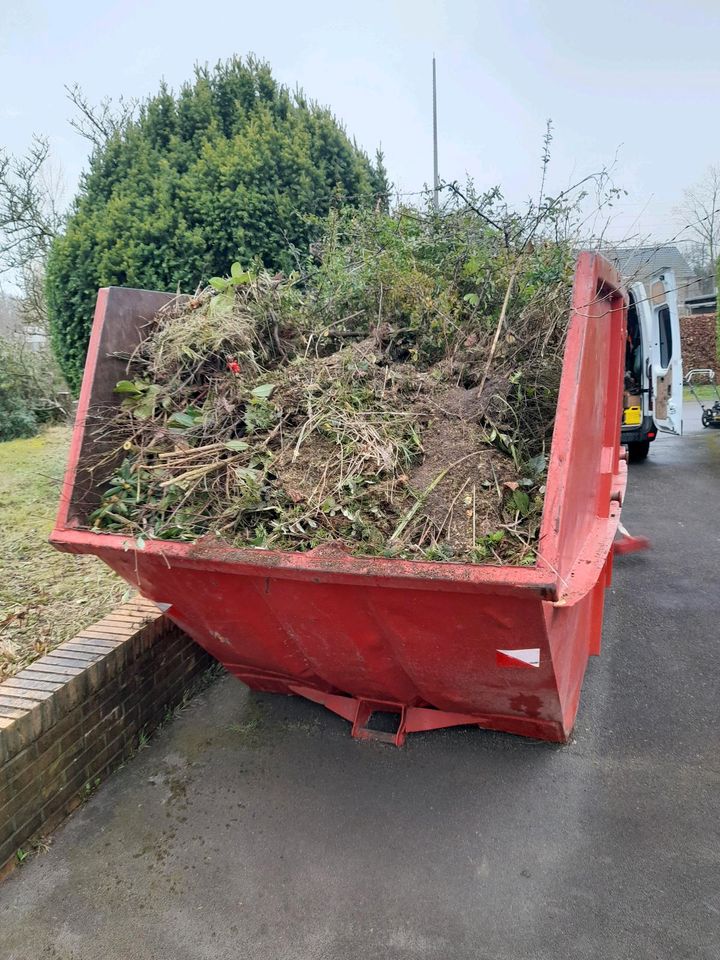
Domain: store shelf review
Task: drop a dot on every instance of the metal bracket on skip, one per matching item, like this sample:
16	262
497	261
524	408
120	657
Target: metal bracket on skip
358	712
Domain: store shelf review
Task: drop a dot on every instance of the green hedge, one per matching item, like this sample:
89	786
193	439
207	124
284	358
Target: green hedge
234	167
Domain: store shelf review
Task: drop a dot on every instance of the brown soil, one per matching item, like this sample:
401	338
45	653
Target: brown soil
468	499
467	502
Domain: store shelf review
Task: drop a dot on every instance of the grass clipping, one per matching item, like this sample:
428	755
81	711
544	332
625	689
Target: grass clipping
395	394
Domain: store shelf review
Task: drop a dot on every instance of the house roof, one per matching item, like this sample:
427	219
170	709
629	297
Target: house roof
643	263
704	299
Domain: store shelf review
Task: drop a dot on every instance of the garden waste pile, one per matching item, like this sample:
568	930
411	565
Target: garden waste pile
394	392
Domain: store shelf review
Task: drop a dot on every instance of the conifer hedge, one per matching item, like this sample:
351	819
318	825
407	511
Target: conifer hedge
235	167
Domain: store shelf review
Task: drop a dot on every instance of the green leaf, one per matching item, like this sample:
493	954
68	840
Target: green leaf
472	298
472	267
247	474
126	386
238	445
221	305
238	275
181	421
521	502
146	408
537	465
219	283
185	419
263	391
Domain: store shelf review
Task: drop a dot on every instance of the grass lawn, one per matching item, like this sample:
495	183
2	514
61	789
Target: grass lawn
705	391
45	596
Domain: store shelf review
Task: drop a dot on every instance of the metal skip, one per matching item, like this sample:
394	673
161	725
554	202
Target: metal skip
418	645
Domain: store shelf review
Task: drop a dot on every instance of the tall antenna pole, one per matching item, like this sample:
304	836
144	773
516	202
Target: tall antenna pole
436	181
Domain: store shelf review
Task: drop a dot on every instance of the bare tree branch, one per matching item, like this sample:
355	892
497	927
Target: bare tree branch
478	210
29	208
700	212
98	123
31	216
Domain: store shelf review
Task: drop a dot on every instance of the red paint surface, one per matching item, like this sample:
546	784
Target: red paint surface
416	638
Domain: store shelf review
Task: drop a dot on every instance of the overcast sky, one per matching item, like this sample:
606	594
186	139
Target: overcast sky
638	80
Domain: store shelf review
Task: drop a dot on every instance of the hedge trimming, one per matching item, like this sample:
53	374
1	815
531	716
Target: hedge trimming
233	167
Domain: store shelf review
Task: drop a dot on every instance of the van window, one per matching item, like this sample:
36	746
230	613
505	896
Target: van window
665	335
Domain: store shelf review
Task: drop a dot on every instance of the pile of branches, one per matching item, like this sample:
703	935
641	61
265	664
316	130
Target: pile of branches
396	393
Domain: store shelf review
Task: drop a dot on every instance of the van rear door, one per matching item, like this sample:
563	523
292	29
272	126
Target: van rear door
640	301
665	355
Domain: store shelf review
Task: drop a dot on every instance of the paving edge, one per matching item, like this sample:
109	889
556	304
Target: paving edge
77	713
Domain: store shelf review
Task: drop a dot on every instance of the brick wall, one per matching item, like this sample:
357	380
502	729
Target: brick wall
77	713
699	341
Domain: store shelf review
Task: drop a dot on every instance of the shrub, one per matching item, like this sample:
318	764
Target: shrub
30	390
233	168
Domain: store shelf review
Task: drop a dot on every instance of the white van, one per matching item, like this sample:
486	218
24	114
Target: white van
653	389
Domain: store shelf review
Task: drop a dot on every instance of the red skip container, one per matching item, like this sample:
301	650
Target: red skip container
436	644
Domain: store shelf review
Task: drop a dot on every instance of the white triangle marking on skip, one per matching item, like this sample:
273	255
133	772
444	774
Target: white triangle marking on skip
530	656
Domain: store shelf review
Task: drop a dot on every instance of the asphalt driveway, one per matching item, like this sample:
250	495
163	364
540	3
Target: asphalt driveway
254	827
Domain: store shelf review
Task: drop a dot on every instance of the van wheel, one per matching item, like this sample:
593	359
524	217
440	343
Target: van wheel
638	450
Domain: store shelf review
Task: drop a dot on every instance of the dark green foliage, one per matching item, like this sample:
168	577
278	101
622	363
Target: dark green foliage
233	168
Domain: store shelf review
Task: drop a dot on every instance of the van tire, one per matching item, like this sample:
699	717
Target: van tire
638	450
